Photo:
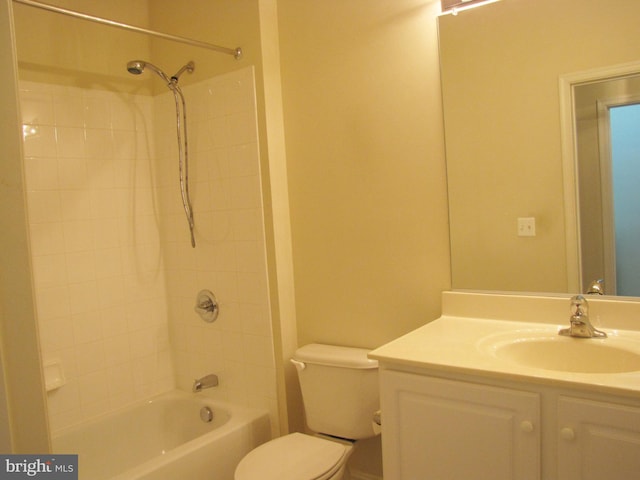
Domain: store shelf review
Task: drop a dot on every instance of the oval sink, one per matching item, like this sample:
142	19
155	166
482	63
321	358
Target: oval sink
579	355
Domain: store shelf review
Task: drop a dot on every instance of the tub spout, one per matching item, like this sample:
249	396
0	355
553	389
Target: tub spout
205	382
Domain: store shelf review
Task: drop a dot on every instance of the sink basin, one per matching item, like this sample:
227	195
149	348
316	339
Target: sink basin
567	354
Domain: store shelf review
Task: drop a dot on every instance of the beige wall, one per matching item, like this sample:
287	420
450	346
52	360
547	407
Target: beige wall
84	54
366	167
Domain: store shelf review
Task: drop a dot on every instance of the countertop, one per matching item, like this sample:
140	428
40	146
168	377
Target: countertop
464	345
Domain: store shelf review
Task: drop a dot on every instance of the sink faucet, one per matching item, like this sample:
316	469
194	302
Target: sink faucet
580	325
596	287
207	381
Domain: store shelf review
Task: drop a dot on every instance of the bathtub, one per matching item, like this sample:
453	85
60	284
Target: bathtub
165	439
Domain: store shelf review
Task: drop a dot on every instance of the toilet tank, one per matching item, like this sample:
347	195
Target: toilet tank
339	389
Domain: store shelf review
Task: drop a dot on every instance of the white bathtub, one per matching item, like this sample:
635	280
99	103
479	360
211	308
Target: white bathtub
165	439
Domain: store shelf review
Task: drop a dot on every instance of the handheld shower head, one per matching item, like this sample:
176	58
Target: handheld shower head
136	67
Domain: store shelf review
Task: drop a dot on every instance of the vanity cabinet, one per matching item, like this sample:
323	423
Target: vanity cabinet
438	428
449	430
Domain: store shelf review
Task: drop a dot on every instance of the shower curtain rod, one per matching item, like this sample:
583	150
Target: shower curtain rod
236	52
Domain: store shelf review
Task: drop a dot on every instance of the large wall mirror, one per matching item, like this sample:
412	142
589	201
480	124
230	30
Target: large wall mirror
512	73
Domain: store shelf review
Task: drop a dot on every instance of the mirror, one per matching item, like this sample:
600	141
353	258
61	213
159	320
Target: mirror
504	66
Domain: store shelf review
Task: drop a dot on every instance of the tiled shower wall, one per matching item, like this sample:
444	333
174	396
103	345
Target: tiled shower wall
115	275
98	274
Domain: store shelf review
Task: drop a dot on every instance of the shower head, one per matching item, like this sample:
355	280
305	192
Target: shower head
136	67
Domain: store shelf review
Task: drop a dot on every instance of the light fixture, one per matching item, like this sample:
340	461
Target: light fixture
454	6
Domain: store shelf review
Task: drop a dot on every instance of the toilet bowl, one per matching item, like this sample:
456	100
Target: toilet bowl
340	395
296	456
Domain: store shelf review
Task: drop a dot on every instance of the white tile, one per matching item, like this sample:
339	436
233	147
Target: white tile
255	320
124	144
75	205
46	238
244	160
86	329
69	111
250	256
56	333
102	174
241	128
90	358
49	270
239	96
99	143
106	234
253	287
219	132
80	267
39	141
72	173
41	173
123	115
247	225
44	206
117	350
36	107
70	142
92	388
244	192
110	292
141	344
78	236
97	112
113	321
233	346
108	263
120	380
258	350
53	302
83	298
64	399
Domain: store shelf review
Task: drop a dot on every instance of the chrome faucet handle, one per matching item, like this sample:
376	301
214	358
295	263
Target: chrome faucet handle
579	307
596	287
580	325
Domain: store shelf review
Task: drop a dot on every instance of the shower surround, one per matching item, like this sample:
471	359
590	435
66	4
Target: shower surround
114	272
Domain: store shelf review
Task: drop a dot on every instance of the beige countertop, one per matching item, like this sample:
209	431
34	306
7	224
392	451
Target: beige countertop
463	344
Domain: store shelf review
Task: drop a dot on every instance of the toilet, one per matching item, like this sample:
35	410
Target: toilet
340	395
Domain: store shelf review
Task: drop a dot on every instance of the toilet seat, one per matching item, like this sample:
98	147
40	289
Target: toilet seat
293	457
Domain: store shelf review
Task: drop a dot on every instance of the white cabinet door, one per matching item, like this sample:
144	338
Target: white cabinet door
435	429
597	441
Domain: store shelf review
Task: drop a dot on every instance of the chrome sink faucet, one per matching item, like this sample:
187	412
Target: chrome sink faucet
596	287
207	381
580	325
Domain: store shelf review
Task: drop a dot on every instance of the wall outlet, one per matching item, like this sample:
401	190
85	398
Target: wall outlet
526	227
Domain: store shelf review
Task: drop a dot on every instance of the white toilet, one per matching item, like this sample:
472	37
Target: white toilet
340	395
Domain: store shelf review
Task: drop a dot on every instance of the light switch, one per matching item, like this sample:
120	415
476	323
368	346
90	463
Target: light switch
526	227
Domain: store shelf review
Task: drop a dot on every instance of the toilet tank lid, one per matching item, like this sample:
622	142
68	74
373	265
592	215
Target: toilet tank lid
335	356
